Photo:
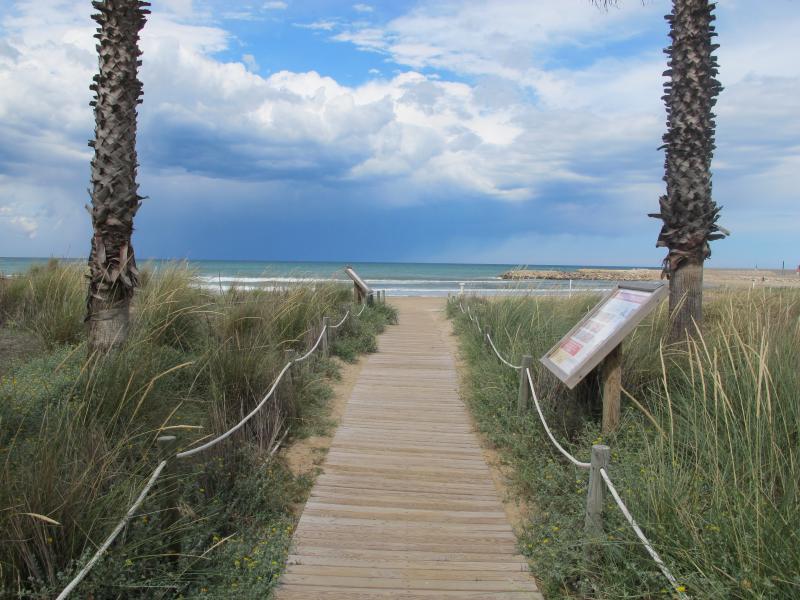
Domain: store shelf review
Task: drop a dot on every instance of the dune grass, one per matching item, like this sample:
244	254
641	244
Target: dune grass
707	457
78	435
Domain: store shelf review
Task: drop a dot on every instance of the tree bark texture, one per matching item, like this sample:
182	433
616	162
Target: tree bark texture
685	300
115	193
687	209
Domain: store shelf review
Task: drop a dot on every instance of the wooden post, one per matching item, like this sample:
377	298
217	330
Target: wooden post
595	497
167	447
524	395
610	385
371	298
326	321
356	294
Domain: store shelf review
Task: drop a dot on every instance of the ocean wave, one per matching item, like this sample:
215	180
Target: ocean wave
372	282
252	280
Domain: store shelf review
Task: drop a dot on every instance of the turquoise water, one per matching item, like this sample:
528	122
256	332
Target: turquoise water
398	279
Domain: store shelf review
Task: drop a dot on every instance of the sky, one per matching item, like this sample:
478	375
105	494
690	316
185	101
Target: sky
497	131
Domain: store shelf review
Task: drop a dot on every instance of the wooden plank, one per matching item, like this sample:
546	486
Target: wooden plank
430	575
405	507
295	592
373	561
427	556
409	583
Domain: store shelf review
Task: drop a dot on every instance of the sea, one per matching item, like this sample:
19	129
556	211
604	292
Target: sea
396	279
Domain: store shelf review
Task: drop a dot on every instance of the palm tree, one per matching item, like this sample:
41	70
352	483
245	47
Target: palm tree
115	198
687	209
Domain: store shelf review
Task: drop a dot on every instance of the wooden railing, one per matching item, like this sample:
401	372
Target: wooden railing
361	291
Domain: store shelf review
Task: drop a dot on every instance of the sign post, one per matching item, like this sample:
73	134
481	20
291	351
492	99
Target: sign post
596	342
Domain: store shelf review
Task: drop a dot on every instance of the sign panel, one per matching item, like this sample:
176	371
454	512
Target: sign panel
600	331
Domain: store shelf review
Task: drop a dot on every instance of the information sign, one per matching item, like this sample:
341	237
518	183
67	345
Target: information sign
600	331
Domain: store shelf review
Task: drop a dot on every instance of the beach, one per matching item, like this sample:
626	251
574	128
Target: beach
435	279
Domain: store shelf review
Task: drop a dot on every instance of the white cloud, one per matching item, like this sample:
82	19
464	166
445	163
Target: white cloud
240	15
323	25
363	8
512	127
276	5
15	218
180	8
250	63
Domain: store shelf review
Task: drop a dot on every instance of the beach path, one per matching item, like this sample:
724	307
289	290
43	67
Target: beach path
405	507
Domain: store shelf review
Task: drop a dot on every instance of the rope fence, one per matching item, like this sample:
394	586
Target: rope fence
599	479
187	453
559	447
500	356
344	318
110	539
645	542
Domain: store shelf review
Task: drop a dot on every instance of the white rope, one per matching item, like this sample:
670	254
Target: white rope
488	337
650	550
67	590
260	404
110	539
339	324
310	352
363	308
571	458
239	425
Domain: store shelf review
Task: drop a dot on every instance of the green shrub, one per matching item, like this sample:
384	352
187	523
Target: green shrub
171	308
78	440
48	300
708	463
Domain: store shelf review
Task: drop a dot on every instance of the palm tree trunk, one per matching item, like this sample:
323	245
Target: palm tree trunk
689	213
115	198
685	300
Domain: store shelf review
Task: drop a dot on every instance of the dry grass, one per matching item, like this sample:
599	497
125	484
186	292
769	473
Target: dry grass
707	458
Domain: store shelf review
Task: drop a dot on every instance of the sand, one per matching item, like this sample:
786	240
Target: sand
730	278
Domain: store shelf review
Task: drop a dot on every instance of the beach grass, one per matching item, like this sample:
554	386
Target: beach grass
706	456
78	434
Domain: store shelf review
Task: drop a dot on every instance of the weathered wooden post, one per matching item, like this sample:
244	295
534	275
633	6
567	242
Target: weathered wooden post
611	385
595	497
167	447
524	395
326	322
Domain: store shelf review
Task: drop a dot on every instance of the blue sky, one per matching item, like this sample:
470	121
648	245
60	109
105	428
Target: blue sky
465	131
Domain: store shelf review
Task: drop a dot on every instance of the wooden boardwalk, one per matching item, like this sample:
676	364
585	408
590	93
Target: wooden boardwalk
406	508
